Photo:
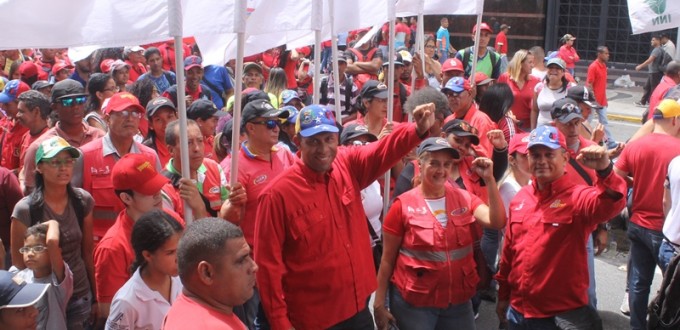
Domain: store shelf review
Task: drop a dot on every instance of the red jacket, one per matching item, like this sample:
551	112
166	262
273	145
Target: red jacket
435	266
316	266
543	269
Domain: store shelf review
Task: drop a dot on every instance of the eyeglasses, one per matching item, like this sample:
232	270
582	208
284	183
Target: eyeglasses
452	94
430	46
73	100
271	124
126	114
360	143
112	89
56	162
35	249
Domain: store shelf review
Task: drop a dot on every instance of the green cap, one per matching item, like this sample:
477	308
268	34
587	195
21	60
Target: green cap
51	147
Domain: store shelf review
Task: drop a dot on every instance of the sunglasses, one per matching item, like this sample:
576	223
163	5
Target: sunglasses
271	124
35	249
452	94
56	162
73	100
126	114
566	110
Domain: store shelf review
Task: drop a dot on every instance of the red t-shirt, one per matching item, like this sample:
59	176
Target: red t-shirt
597	77
661	89
502	43
136	70
187	313
11	144
646	160
521	107
26	141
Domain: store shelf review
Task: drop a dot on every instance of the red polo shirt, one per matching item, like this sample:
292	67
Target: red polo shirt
314	236
254	173
201	316
657	95
543	269
502	43
136	70
11	144
597	77
524	96
26	141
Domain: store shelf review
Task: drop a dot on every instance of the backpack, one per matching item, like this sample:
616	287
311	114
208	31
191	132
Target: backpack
171	79
663	60
362	78
494	60
664	310
348	93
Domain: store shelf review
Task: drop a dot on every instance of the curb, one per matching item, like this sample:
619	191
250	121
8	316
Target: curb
630	119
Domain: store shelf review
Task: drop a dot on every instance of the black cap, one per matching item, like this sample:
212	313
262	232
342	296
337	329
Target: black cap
261	108
203	109
436	144
374	88
157	103
353	131
583	94
565	110
251	65
67	87
398	60
459	127
40	84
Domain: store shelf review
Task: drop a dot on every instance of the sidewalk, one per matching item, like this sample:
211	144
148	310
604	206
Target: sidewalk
622	103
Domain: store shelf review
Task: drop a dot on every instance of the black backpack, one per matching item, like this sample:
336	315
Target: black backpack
76	200
663	60
664	310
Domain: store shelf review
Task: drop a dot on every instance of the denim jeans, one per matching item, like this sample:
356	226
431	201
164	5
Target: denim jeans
592	292
430	318
444	57
644	256
489	245
360	321
602	119
516	321
326	59
666	252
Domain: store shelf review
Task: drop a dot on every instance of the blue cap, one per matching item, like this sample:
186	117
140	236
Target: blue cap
547	136
289	95
315	119
457	84
12	90
292	114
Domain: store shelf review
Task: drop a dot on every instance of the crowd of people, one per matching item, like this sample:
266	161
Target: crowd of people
500	188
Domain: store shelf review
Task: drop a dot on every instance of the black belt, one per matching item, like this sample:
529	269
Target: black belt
675	247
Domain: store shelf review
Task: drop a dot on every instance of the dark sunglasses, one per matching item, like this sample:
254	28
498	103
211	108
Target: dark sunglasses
271	124
73	100
565	110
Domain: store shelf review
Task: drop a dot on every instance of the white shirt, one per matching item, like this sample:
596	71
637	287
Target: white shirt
671	226
373	204
508	189
438	209
669	47
544	101
136	306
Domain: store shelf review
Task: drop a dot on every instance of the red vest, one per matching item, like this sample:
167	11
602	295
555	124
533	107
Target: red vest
361	78
435	265
97	181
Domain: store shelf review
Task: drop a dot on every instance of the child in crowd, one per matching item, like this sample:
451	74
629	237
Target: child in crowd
146	297
44	264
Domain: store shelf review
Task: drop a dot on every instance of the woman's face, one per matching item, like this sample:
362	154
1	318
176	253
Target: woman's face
164	259
520	163
436	168
377	107
555	73
57	170
528	64
160	120
429	48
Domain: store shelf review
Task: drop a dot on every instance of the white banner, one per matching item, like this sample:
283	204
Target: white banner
653	15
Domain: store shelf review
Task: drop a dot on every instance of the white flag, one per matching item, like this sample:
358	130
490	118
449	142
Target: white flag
653	15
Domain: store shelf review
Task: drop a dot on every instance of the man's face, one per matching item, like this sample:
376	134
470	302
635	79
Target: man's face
342	67
259	131
27	117
121	75
71	115
445	22
196	147
458	102
655	42
484	38
11	108
124	124
463	144
155	63
569	130
207	125
547	164
406	72
318	151
253	78
136	57
25	318
194	76
234	278
62	74
398	70
603	56
48	53
145	203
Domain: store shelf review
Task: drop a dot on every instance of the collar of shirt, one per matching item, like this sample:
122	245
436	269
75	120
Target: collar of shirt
172	169
87	132
144	293
250	154
470	113
108	148
311	175
551	189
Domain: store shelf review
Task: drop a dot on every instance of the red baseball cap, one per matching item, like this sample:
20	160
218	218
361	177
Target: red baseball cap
137	172
105	66
28	69
452	64
60	66
484	27
482	79
122	101
518	143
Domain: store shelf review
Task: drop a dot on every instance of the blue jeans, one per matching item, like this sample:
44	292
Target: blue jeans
444	57
326	57
644	256
666	252
489	245
592	292
602	119
426	318
516	321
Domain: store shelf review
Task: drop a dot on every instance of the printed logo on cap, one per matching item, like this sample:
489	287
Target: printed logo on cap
441	141
144	166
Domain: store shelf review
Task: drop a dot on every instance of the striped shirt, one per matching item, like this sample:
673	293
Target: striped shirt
330	103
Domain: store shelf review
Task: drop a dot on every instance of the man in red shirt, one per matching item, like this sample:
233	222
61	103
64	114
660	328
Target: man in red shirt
138	186
597	80
670	79
194	90
216	277
310	232
646	161
502	40
32	113
461	103
543	271
134	57
13	130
